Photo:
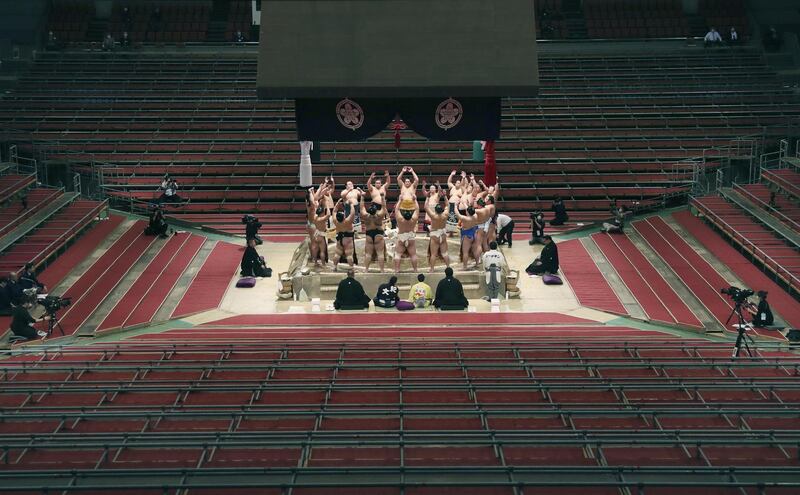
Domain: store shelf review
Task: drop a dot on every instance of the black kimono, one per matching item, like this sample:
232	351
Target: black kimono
450	294
560	211
253	265
547	262
350	295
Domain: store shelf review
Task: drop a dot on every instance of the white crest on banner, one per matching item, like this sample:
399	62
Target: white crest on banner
449	113
350	114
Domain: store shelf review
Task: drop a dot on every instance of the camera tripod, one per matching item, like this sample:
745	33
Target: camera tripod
52	323
742	338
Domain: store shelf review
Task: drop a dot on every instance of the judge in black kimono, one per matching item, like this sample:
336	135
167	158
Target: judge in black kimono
253	264
350	294
547	262
450	293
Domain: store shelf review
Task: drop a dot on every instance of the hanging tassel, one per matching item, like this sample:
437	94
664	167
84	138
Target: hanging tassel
397	125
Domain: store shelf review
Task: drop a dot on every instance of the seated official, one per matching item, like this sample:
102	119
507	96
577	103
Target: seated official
560	211
547	262
387	295
763	316
22	322
450	293
253	264
28	280
350	294
6	308
421	294
157	224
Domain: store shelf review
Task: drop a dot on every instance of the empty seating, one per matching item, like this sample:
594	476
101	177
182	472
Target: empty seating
780	300
484	411
785	179
51	235
13	184
766	246
602	128
781	206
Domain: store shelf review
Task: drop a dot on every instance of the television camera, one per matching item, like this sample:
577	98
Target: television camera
739	297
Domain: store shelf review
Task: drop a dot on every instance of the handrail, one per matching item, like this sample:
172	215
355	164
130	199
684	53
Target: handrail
779	270
44	253
363	478
775	212
787	186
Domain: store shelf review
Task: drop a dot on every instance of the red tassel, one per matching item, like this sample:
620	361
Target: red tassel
397	139
489	165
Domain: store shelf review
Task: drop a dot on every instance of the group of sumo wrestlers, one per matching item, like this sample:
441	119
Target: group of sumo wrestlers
467	207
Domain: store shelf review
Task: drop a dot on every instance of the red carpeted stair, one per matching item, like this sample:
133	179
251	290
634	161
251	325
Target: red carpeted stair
695	272
51	235
145	296
589	285
12	215
783	303
653	293
14	183
77	252
91	289
210	284
768	248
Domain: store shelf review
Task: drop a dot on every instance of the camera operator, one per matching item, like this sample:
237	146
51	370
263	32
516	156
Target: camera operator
251	228
22	322
157	224
28	280
537	228
763	314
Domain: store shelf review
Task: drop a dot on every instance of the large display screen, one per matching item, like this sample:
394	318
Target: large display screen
397	48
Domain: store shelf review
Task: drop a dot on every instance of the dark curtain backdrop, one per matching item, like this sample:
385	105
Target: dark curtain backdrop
440	119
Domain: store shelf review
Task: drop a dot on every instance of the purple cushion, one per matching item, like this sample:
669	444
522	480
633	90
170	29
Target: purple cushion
246	282
404	305
551	279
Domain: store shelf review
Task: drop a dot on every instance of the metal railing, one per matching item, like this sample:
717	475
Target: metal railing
771	209
770	263
774	159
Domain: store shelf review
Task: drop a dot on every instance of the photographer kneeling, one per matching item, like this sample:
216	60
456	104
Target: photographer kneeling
22	322
254	265
251	228
157	224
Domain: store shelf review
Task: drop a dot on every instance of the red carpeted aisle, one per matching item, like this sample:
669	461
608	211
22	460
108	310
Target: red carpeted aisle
157	294
146	281
696	273
780	301
211	282
69	259
101	278
589	285
653	293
